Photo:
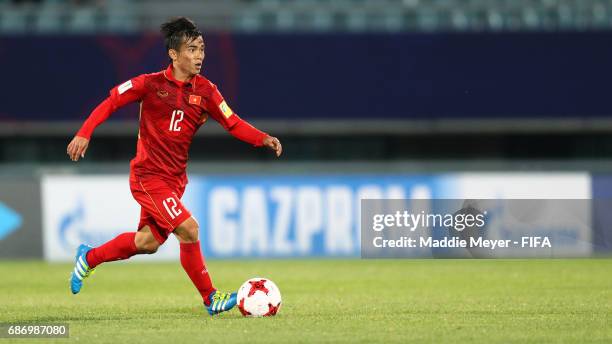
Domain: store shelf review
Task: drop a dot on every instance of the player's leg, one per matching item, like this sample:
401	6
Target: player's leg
192	261
162	200
164	206
87	258
146	241
148	238
124	246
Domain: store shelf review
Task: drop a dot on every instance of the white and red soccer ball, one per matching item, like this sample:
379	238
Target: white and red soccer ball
259	297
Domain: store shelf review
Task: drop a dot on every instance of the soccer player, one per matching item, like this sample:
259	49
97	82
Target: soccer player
174	103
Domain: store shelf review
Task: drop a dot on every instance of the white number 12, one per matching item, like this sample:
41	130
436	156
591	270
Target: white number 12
170	205
177	116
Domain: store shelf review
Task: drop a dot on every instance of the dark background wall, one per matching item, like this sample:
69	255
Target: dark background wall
306	76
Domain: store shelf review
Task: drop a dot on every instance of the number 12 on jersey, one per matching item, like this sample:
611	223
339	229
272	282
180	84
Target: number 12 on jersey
177	117
170	205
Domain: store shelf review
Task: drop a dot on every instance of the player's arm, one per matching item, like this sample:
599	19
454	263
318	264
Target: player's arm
244	131
239	128
130	91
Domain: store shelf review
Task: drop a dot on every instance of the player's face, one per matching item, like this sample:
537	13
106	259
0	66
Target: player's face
191	56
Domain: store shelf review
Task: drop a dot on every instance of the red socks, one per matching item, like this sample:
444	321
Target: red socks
121	247
193	263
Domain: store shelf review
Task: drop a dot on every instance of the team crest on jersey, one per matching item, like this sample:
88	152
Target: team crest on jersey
227	112
162	93
193	99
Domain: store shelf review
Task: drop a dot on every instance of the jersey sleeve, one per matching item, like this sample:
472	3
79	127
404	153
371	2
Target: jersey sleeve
121	95
218	109
248	133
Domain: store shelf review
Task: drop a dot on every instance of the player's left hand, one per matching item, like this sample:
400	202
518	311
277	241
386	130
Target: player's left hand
274	144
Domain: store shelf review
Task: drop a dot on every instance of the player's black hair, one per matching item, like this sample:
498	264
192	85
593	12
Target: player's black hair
177	29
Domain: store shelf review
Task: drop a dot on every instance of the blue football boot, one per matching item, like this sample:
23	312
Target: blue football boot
81	269
221	302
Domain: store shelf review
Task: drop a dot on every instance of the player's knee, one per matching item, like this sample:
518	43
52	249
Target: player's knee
188	231
192	233
150	247
145	242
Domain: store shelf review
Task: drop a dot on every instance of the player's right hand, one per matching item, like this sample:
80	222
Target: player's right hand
77	147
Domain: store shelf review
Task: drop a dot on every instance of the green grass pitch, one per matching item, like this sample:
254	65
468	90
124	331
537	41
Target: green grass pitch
437	301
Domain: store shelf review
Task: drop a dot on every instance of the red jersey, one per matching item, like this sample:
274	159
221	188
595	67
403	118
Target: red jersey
171	112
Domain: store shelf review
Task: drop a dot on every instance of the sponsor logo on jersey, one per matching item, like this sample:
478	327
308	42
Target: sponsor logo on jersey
225	109
124	87
193	99
162	93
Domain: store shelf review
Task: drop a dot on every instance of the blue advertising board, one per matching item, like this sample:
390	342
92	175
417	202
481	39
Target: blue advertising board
290	215
319	215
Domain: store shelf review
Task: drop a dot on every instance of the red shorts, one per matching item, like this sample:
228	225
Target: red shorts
161	206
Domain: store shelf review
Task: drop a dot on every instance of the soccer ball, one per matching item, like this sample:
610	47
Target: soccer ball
259	297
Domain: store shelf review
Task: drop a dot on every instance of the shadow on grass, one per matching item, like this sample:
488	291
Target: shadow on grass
156	314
